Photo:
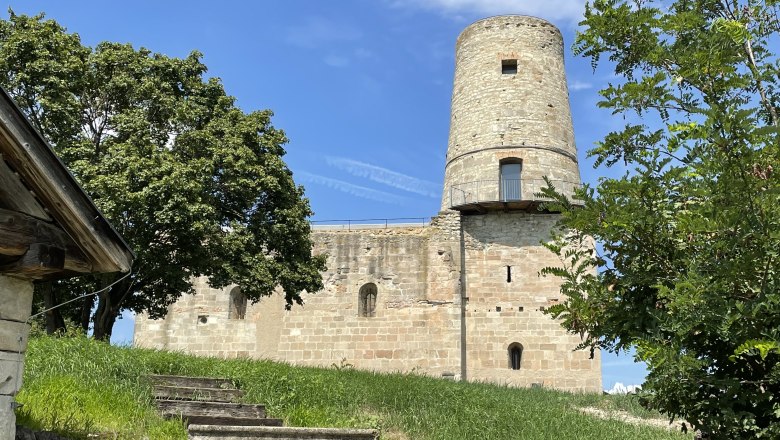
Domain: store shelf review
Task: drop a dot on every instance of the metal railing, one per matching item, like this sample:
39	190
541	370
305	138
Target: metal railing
504	190
371	223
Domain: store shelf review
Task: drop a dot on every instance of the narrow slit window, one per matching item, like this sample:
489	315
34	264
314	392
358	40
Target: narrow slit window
515	352
508	67
509	274
237	305
367	300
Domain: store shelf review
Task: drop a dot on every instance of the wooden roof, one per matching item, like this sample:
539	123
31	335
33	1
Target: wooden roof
49	227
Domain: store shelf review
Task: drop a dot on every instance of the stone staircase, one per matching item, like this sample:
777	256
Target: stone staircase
212	410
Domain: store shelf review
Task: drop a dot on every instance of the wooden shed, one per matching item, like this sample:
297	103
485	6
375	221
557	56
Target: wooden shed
49	229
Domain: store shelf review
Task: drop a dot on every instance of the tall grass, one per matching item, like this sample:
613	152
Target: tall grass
78	386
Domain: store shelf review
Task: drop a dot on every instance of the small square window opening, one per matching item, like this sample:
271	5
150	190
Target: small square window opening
508	67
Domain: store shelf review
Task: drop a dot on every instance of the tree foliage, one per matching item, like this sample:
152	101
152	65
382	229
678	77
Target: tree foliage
195	185
686	265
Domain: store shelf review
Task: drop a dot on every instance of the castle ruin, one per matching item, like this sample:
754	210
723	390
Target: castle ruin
460	297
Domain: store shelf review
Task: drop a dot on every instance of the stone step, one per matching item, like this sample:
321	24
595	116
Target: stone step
230	421
211	432
200	394
187	408
191	382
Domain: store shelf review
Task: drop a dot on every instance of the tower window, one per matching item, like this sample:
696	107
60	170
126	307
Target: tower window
367	303
508	67
510	179
515	352
509	274
237	306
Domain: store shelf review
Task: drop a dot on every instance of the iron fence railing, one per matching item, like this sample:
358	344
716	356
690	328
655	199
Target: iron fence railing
504	190
371	223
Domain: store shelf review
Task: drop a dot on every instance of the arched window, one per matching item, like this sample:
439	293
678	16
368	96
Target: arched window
515	352
237	305
367	305
510	179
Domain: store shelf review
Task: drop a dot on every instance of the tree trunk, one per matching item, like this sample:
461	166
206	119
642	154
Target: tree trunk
109	306
86	312
54	321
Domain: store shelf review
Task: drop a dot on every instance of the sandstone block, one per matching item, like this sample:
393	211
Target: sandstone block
7	418
11	368
13	336
15	298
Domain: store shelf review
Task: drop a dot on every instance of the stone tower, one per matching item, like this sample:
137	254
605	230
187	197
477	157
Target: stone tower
460	297
511	122
511	127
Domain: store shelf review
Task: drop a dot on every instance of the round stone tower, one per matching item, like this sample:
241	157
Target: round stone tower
511	123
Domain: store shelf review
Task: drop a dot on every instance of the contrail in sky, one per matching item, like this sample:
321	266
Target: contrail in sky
386	177
349	188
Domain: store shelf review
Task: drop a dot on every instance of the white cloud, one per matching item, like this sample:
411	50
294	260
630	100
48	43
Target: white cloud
351	189
317	32
566	10
386	177
619	388
577	85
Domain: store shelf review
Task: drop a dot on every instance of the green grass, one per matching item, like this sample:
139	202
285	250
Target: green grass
77	386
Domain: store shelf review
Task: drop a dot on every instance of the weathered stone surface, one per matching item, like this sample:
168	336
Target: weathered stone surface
7	418
201	394
15	298
13	336
202	432
11	368
211	409
230	421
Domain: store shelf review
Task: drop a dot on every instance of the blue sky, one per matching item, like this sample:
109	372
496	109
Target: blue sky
361	87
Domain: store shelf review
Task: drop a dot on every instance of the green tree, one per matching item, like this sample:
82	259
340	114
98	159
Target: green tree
195	185
686	265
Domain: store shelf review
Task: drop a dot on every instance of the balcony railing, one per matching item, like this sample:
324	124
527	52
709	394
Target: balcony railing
502	191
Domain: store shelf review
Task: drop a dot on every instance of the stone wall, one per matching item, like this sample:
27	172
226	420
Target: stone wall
506	296
200	324
417	323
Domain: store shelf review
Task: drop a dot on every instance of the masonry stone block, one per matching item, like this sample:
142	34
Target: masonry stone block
15	298
7	418
13	336
11	372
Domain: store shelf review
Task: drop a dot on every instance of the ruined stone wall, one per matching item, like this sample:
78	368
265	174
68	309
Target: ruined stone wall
201	324
417	323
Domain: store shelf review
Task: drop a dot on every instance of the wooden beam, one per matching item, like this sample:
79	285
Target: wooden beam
15	196
34	243
59	192
40	260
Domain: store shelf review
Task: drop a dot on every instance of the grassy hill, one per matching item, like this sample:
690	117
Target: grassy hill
78	386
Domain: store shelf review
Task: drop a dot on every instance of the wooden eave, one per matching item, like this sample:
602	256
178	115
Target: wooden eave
43	209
